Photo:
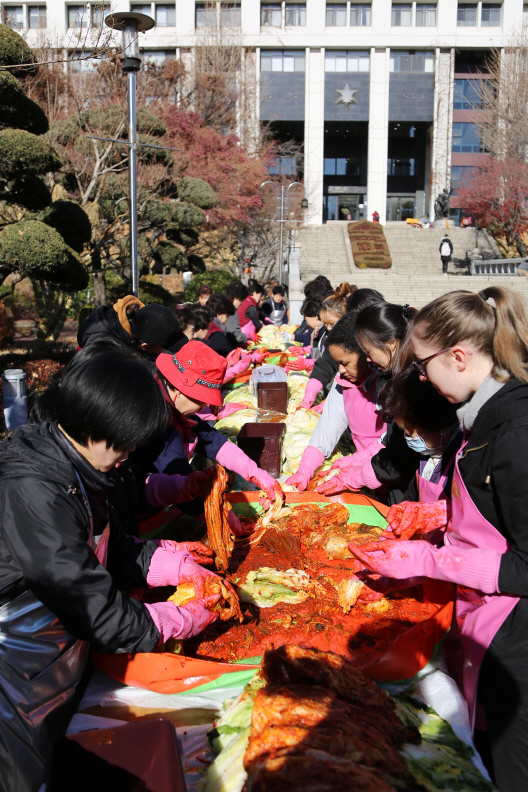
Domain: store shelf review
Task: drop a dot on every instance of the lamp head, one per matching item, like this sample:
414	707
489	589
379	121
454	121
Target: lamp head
131	24
304	204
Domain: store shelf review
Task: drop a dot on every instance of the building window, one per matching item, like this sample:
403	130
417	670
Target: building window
466	15
145	8
425	15
230	15
206	15
341	166
37	17
166	15
295	14
13	16
401	15
400	166
282	61
80	62
283	166
360	15
98	13
412	61
270	15
346	61
525	9
157	57
491	15
336	15
469	94
461	174
466	138
78	16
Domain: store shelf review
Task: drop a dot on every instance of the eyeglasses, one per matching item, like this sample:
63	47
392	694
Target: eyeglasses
421	364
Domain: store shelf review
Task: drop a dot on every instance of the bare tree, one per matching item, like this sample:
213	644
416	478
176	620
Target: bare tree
502	97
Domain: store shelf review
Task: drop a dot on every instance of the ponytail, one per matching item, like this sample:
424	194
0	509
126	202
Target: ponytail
381	323
336	303
500	331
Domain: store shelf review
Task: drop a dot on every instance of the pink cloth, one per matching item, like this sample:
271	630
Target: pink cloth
364	420
233	458
472	567
313	388
311	459
166	567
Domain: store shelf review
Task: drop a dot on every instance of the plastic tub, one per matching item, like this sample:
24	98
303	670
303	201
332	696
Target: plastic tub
265	374
262	442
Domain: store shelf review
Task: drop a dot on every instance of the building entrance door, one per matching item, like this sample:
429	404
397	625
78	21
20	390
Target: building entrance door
400	207
345	207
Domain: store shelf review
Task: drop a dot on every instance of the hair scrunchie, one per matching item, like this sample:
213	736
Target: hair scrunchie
406	311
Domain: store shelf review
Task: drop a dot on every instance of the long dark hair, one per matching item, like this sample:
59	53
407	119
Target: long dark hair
381	323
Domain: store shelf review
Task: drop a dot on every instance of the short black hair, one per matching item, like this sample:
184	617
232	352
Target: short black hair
204	289
311	306
220	304
320	285
201	315
109	394
279	290
256	288
362	298
343	334
237	291
406	397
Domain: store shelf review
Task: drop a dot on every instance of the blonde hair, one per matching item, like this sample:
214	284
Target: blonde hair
500	332
336	302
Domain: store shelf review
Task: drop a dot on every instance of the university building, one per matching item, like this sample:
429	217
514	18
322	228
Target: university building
381	94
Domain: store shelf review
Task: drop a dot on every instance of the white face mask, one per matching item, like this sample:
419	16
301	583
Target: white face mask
419	445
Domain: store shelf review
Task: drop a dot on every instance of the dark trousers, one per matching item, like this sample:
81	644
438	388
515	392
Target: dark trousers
445	262
503	693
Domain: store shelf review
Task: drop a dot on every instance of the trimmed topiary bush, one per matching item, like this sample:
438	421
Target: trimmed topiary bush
185	216
71	221
22	153
218	280
28	191
197	191
149	124
38	251
15	51
17	110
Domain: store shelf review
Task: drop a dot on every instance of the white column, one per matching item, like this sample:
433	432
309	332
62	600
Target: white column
378	133
314	135
442	124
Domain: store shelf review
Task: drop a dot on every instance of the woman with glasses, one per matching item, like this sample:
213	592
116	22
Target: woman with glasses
475	352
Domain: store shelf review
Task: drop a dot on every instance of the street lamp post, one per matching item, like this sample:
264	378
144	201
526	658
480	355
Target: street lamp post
131	24
284	194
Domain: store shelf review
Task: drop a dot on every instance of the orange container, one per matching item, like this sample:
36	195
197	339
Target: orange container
410	652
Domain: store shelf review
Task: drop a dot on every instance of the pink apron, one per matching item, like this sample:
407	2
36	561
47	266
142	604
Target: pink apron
479	616
250	330
429	491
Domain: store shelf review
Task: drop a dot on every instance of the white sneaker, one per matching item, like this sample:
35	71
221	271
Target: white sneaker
445	273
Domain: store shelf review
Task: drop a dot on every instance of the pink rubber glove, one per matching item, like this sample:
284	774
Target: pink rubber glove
234	356
199	552
318	408
174	622
296	351
166	566
409	517
467	566
352	478
229	409
234	524
237	368
258	357
357	459
312	389
301	364
164	490
233	458
311	459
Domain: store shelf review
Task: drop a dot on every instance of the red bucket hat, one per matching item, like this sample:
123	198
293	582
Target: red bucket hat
196	370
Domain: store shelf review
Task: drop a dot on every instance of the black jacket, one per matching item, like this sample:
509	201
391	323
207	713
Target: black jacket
44	528
219	342
395	465
494	467
103	323
325	368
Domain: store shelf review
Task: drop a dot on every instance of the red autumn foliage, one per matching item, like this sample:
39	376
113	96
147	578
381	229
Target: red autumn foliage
221	161
497	197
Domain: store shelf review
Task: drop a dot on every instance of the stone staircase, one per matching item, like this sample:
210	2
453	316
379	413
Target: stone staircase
416	274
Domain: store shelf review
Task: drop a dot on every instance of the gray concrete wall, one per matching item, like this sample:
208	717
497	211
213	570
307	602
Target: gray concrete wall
338	111
411	97
282	96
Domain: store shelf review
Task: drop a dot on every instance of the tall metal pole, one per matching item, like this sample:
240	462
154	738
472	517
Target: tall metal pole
132	179
281	233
